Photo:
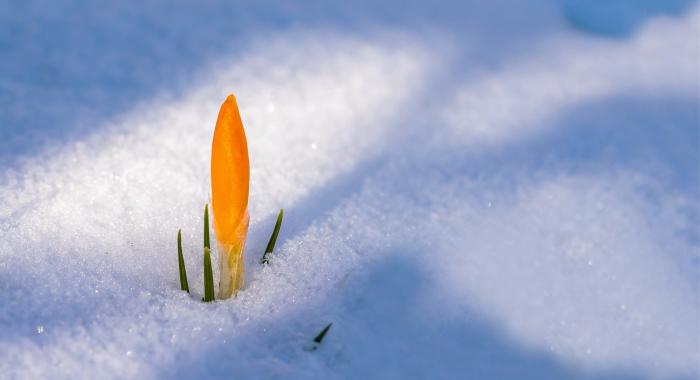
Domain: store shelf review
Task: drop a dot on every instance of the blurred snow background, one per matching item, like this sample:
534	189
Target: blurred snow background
472	189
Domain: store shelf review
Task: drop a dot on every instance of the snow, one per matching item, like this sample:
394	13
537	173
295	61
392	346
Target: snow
471	191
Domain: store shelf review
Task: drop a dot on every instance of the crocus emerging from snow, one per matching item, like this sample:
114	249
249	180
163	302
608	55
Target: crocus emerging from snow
230	179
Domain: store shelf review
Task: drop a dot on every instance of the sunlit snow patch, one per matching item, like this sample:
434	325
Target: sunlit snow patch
520	101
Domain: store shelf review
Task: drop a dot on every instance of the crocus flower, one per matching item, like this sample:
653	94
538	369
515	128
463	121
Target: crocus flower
230	182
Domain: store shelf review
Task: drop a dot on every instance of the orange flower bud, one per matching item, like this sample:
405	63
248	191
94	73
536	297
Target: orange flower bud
230	183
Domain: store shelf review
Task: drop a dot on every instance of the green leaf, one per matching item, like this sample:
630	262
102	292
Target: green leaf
273	239
181	263
206	227
208	277
319	338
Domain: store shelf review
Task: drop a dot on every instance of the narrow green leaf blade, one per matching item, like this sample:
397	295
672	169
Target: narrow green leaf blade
319	338
273	239
208	277
181	264
206	227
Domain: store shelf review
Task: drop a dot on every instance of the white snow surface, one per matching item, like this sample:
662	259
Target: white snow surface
476	191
